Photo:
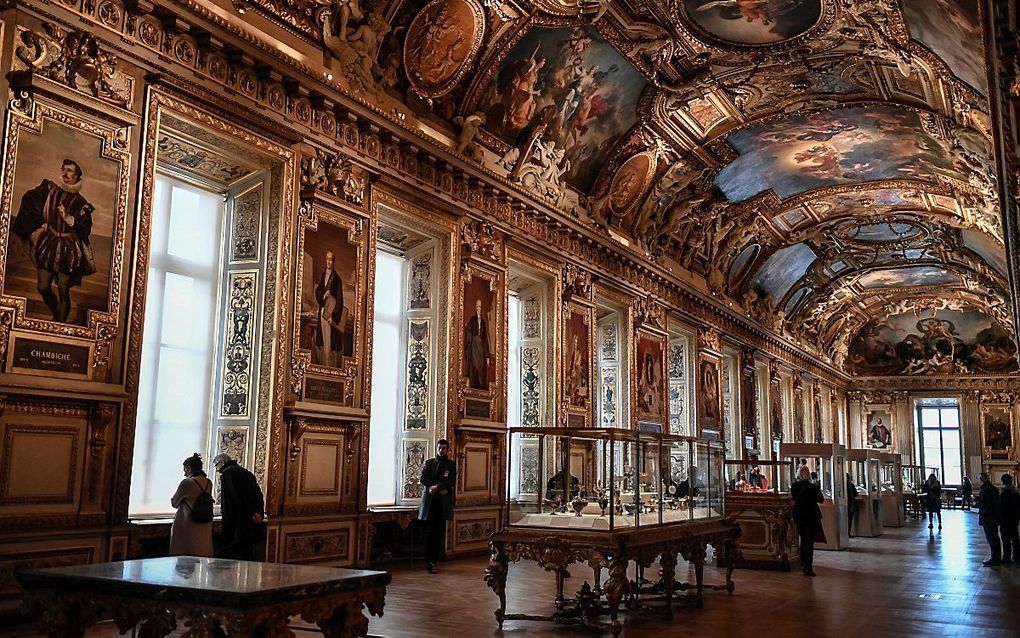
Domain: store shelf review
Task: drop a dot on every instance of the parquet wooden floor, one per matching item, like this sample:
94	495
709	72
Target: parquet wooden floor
903	583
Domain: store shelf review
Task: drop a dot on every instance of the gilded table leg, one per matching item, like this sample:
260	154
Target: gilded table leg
616	587
495	577
698	560
732	551
667	569
347	621
64	615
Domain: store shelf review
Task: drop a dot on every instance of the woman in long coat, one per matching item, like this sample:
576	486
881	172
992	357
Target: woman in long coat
186	536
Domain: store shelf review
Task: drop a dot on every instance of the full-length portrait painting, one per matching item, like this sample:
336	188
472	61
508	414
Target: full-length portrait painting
571	86
577	362
997	430
754	21
708	381
879	429
480	329
63	219
329	279
649	377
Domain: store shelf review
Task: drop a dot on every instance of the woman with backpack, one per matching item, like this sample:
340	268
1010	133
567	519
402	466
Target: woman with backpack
191	533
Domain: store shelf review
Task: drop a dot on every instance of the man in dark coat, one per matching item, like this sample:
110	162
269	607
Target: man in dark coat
1009	517
988	517
851	504
808	517
242	506
439	478
55	222
329	293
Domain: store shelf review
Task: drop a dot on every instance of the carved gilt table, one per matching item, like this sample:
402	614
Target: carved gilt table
555	550
209	596
768	536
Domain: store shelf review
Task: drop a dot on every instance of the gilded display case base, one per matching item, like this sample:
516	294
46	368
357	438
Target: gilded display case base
768	535
555	551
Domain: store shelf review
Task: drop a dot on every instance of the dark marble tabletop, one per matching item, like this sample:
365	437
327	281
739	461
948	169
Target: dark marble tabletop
213	581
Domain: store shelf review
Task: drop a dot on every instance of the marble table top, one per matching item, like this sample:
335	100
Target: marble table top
209	581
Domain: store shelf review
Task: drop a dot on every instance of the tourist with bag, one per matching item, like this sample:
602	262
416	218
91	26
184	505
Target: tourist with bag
191	533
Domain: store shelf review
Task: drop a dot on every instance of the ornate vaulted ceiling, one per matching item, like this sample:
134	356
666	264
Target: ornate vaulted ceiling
826	165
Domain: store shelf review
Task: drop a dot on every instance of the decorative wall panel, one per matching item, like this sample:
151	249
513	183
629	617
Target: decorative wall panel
41	464
413	462
417	380
246	221
531	386
420	289
239	346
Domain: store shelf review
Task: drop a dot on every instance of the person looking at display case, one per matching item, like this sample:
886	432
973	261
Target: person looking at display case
1009	517
933	500
966	494
988	517
807	515
851	504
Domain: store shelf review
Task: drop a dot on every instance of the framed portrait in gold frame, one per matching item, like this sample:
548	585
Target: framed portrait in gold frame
329	322
66	184
482	352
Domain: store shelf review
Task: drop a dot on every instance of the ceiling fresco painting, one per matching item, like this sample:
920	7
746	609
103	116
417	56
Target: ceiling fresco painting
754	21
808	152
822	166
913	276
574	85
783	269
952	30
948	342
884	232
988	248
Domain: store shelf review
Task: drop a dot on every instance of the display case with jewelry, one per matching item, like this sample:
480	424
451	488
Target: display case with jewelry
758	499
611	479
865	467
827	463
891	489
618	501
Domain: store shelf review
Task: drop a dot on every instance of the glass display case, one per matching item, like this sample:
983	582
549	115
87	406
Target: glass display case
913	486
891	489
758	499
611	479
865	467
828	462
758	477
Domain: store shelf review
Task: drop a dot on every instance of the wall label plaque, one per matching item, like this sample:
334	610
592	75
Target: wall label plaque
60	358
324	390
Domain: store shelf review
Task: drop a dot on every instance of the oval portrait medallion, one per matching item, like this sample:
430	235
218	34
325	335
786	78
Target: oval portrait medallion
630	182
441	45
754	21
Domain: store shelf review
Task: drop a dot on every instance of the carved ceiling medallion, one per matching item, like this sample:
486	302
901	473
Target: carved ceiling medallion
441	45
